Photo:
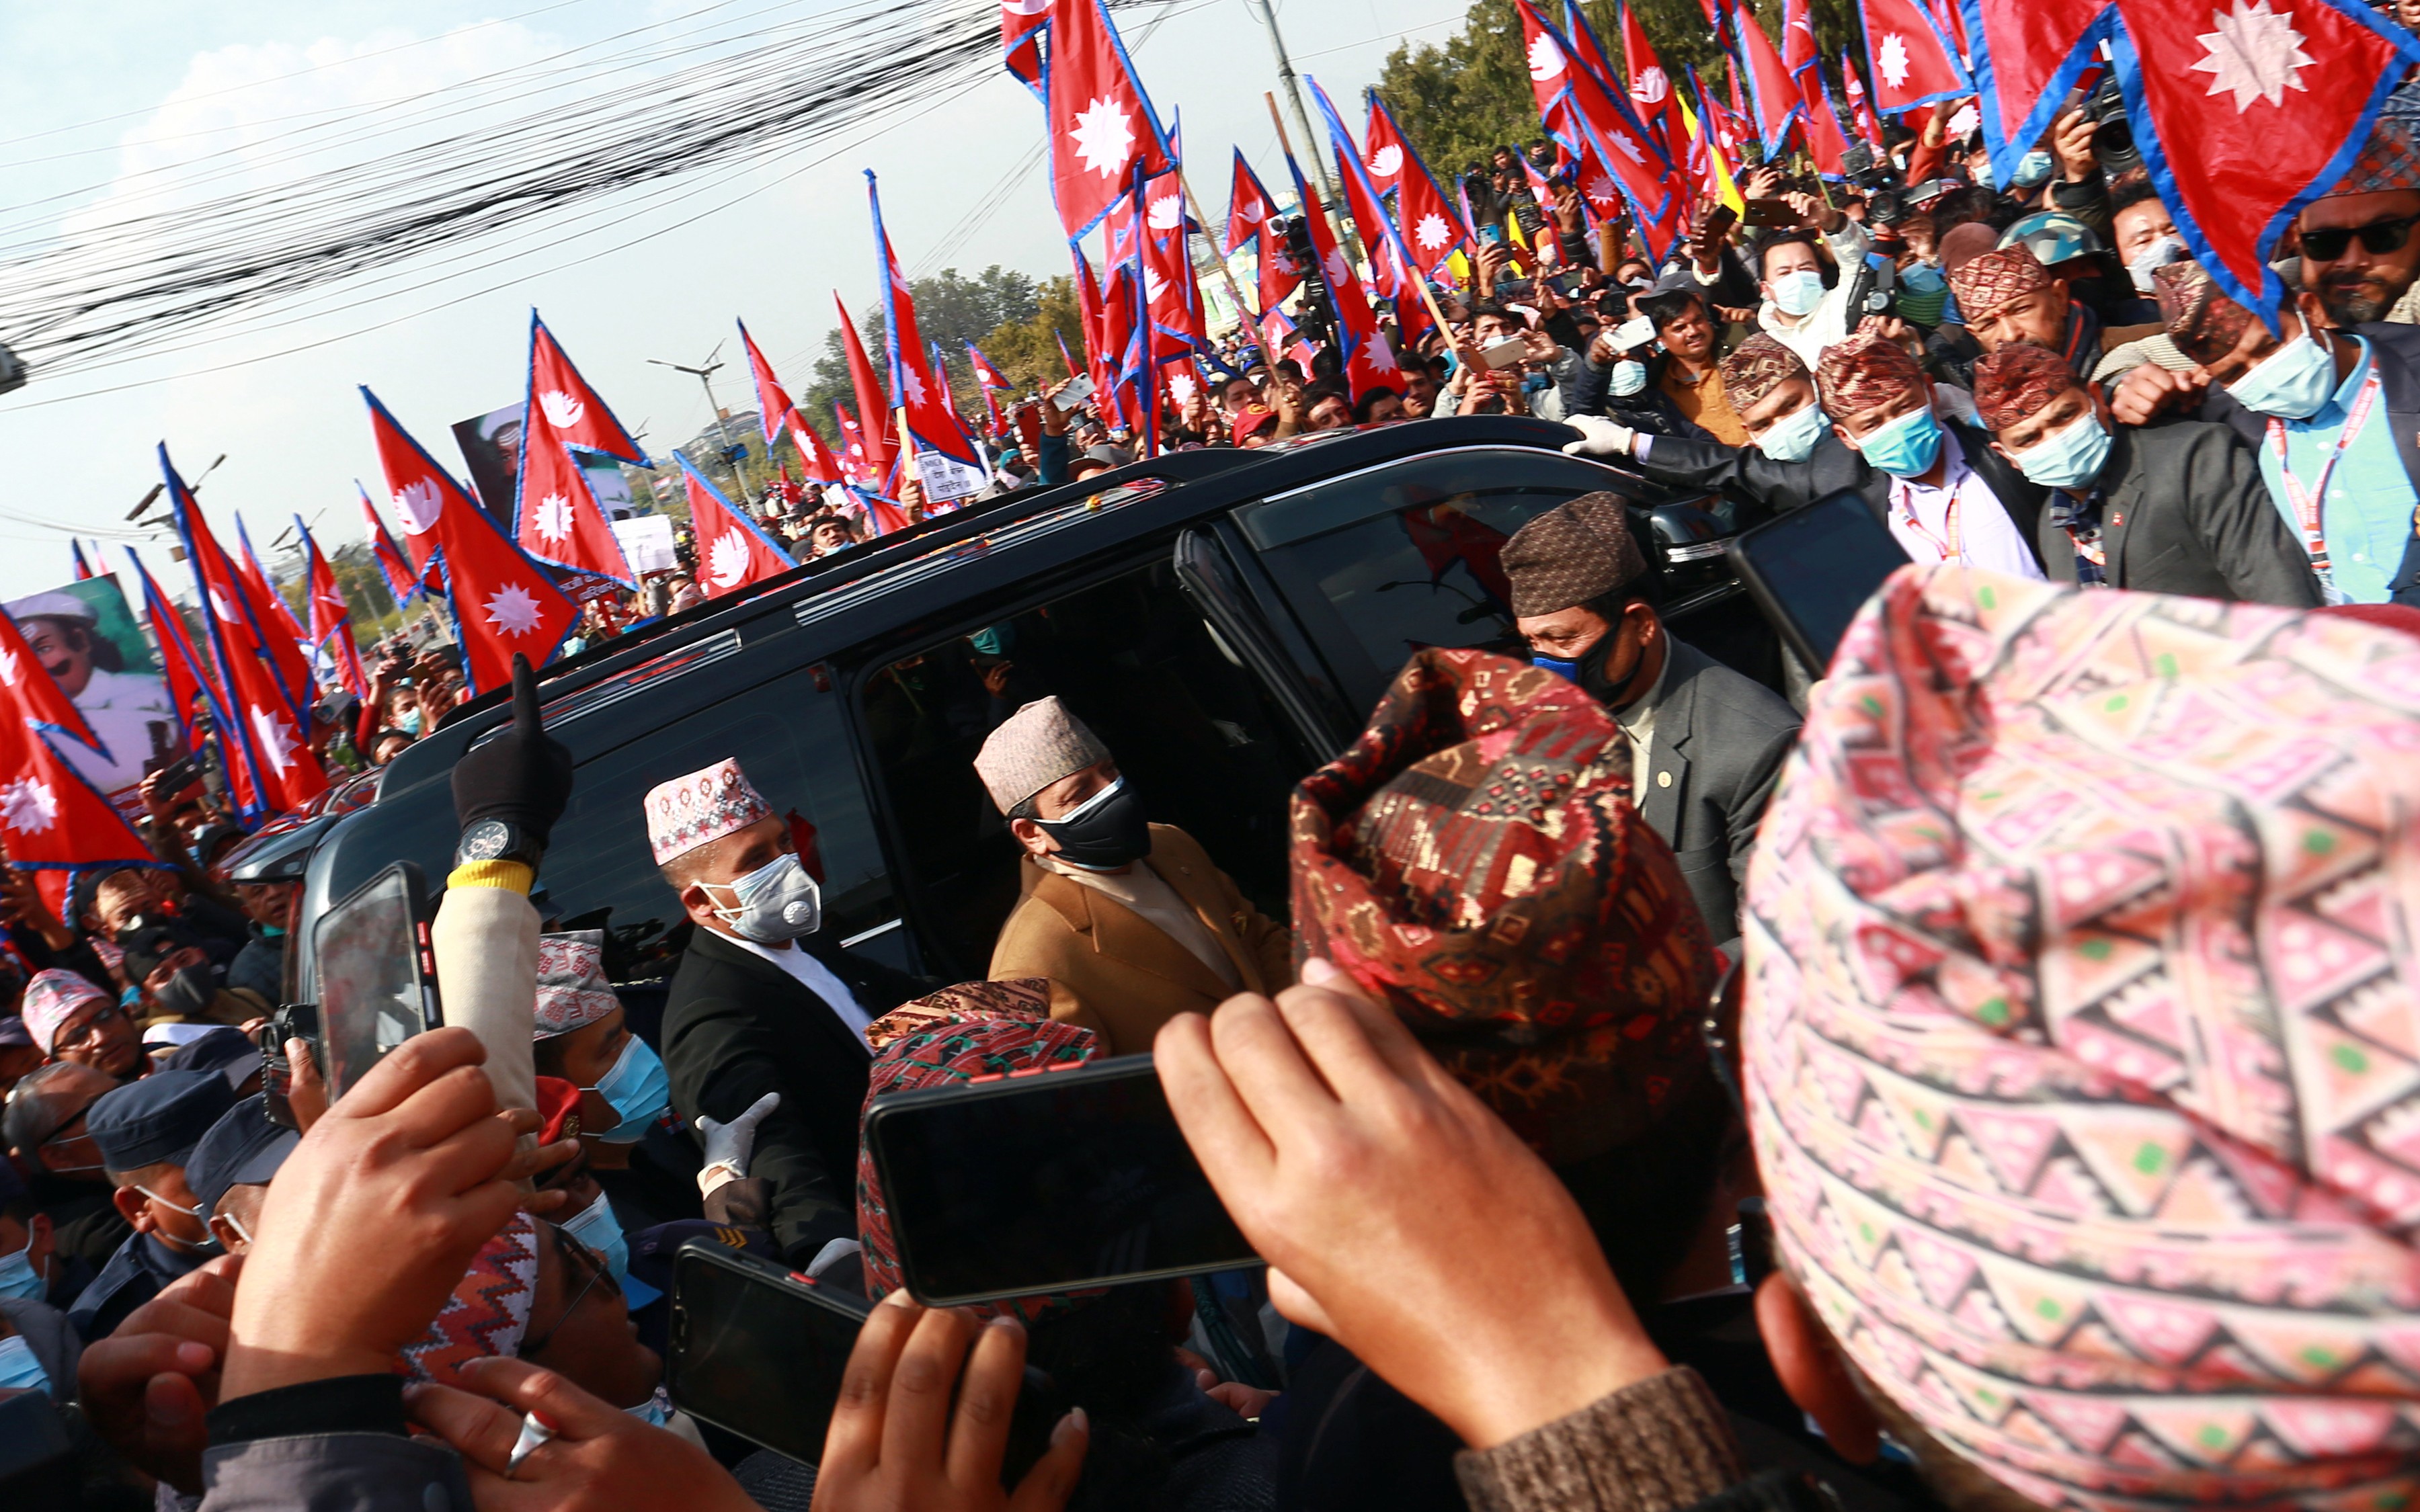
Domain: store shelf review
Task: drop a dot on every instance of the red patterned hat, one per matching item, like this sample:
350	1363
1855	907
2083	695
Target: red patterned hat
488	1312
2014	383
1984	283
1858	374
1474	860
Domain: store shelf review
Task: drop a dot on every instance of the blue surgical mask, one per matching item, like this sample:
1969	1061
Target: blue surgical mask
1798	293
2291	382
1922	278
595	1226
19	1369
2066	458
1628	377
2032	169
1792	438
773	904
18	1277
410	723
640	1089
1906	447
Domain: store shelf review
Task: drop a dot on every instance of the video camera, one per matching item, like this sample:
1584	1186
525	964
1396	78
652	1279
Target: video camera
2112	135
1886	202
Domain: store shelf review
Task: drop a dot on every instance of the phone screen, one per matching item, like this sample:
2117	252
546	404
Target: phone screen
1067	1179
1812	569
757	1353
377	984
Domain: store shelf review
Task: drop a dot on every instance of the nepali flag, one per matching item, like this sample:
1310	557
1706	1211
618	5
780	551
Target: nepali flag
2245	110
857	451
1431	230
987	375
1021	24
1248	208
1798	48
1826	144
501	602
776	413
871	439
1597	125
1391	267
402	582
266	730
733	551
294	672
188	675
1861	110
1249	205
1650	88
1910	62
1369	361
75	549
53	821
556	515
1771	88
332	618
1172	296
1101	124
913	383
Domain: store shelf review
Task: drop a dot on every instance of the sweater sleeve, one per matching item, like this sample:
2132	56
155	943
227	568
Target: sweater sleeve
1655	1445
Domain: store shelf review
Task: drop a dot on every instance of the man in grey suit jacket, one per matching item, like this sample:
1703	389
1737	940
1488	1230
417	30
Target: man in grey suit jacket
2179	508
1706	742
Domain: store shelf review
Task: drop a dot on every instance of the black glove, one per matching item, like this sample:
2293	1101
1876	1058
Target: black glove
522	776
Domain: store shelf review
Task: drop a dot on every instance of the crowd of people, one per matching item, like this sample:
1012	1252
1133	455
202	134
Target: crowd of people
1980	1077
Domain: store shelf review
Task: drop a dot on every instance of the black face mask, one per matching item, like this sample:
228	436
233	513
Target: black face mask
189	992
1104	832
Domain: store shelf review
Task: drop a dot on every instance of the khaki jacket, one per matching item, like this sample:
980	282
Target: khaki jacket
1121	976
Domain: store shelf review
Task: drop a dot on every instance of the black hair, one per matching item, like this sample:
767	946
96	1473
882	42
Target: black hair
98	648
2127	193
1368	401
1670	306
1781	238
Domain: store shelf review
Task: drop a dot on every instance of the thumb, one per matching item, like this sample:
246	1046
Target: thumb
525	715
528	1388
708	1126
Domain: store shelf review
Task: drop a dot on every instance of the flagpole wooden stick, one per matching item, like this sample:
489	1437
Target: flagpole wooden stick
1234	290
1428	295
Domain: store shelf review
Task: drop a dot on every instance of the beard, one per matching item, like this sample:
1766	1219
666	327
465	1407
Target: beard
2357	302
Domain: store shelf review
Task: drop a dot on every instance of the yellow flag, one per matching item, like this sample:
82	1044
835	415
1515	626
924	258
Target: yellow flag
1726	187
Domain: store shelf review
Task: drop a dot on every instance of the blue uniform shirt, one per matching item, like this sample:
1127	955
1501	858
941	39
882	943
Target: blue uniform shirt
2366	515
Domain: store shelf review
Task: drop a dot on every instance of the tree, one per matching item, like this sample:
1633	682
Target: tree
951	311
1026	350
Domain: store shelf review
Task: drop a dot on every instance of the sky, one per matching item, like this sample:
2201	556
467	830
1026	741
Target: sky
115	105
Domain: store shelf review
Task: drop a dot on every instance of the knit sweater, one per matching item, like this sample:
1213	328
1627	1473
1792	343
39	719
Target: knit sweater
1655	1445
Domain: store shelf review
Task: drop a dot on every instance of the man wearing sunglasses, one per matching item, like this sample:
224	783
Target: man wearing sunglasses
2359	252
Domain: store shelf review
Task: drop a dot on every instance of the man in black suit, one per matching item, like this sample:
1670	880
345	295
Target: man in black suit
765	1003
1706	742
2176	509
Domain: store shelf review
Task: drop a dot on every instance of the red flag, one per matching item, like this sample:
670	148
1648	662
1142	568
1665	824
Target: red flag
733	551
917	388
1826	142
188	675
1101	125
986	375
75	548
870	447
1594	122
1171	293
555	513
1861	110
332	618
856	461
1432	227
402	580
50	819
286	636
264	732
1369	361
503	602
1248	205
1769	86
1021	24
1798	50
1390	267
1650	88
775	412
1910	61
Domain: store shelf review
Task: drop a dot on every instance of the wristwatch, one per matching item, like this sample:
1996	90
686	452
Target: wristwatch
499	839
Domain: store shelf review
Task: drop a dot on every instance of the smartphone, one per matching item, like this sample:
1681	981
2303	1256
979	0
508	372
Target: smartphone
1075	394
1811	570
1634	333
1046	1182
1491	233
378	975
1510	352
1029	425
1770	212
290	1020
179	775
757	1349
1719	222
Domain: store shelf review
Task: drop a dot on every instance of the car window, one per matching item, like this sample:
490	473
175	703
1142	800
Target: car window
1194	733
1383	563
789	739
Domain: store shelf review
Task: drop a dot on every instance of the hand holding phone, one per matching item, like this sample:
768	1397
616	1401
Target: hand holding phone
378	975
757	1349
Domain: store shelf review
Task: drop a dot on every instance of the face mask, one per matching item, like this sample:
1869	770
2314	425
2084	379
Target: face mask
410	723
773	904
1907	446
640	1089
1798	293
18	1277
2291	382
208	1245
2152	259
596	1227
1104	832
242	1229
2032	168
1983	174
2069	458
1792	438
1628	377
1922	278
188	993
19	1369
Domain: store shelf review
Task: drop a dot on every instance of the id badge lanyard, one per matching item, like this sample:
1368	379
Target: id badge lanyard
2310	504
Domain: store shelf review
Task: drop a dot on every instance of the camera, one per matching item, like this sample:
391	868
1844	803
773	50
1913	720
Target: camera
2113	135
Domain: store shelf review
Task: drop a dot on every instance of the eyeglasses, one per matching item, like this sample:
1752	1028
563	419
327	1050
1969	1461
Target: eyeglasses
598	1271
2378	238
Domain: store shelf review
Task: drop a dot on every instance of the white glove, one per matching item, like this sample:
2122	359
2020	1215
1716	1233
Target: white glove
1599	436
729	1145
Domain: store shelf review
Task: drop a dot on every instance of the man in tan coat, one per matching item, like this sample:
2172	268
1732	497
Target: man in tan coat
1131	922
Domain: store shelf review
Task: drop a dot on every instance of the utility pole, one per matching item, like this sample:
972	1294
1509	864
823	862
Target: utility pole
705	377
1294	97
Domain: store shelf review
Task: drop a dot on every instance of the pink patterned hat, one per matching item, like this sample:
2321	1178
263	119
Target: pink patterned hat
2082	1035
488	1312
51	999
687	811
572	992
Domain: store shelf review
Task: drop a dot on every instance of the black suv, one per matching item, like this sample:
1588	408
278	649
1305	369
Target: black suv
1223	619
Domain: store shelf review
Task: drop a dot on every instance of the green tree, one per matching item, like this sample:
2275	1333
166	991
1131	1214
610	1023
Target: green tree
1026	351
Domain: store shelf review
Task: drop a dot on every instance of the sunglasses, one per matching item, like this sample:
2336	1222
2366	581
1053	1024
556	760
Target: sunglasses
2377	238
597	1270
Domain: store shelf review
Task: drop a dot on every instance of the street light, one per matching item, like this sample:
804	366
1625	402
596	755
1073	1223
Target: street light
705	376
